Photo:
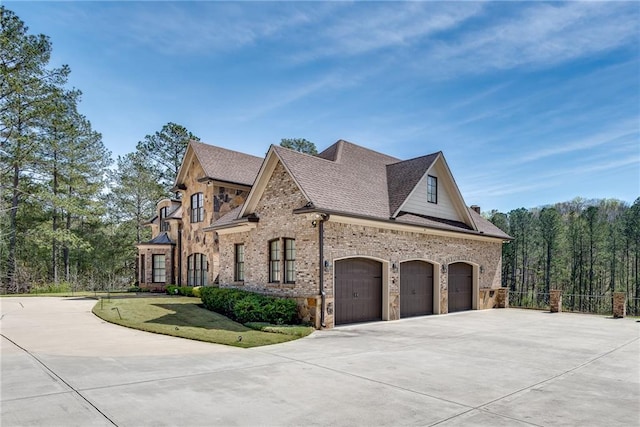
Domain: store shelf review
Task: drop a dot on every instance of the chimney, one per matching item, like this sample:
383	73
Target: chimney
476	208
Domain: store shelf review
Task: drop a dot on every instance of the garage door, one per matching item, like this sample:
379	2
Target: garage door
416	288
358	291
460	287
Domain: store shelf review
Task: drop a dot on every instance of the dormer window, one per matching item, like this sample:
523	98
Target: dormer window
432	189
197	207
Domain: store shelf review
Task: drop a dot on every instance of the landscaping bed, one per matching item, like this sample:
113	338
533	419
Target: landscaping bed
185	317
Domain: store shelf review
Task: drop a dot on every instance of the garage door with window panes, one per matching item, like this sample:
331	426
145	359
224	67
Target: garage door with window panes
460	287
358	290
416	288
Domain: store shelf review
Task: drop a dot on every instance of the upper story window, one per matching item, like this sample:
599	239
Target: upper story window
164	225
282	258
432	189
239	263
197	207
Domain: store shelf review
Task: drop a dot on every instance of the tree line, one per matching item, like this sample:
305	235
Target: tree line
588	249
69	216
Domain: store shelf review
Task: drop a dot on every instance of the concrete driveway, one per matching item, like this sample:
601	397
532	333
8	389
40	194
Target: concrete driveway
62	366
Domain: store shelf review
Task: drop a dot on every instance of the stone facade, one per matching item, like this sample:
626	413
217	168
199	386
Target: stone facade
341	240
189	237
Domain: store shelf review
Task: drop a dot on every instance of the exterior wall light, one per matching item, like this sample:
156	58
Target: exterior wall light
394	267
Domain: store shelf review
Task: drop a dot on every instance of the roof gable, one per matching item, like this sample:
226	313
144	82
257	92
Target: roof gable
403	177
220	164
450	205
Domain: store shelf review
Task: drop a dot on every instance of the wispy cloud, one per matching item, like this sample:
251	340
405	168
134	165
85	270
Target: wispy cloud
539	36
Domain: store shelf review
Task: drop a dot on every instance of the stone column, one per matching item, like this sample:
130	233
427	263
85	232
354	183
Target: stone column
619	304
502	298
555	301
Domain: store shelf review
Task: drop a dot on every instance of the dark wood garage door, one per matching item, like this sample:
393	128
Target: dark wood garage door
460	287
358	291
416	288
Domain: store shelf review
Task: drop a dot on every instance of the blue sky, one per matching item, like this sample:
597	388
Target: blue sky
532	103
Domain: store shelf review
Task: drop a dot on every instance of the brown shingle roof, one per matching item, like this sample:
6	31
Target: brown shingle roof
402	178
227	165
355	182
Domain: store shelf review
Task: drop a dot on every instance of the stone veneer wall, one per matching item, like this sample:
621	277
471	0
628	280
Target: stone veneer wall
282	196
217	202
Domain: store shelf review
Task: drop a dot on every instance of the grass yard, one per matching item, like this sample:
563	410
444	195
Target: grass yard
184	317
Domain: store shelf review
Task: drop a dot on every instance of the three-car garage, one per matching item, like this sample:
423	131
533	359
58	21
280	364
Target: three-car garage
359	290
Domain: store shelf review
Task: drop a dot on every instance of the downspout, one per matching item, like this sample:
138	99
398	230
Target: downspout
321	292
179	255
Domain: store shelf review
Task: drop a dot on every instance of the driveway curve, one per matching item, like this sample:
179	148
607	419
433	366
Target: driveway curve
63	366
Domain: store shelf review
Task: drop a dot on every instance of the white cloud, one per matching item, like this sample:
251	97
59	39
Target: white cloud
541	35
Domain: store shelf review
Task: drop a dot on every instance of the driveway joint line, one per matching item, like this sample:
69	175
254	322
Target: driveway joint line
60	378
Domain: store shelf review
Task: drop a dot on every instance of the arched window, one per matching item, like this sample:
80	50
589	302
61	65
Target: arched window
197	270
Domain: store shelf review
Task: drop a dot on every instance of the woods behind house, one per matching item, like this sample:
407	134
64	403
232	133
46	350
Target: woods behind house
70	217
588	249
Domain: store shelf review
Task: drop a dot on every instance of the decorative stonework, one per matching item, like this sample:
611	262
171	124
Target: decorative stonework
555	301
619	304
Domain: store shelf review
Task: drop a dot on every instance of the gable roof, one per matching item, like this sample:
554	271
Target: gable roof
347	179
221	164
402	178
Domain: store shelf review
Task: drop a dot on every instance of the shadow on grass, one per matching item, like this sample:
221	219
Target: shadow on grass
195	315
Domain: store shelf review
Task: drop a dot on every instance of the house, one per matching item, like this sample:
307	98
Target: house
212	181
353	235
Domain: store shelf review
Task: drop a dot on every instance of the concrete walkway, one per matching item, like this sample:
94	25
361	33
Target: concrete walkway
62	366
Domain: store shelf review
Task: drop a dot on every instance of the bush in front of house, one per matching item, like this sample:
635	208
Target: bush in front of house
171	289
243	306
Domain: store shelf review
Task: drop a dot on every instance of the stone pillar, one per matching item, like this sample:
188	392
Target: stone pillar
502	298
619	304
555	301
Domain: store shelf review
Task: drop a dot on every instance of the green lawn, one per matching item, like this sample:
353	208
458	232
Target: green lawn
184	317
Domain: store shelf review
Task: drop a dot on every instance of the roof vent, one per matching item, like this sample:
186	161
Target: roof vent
476	208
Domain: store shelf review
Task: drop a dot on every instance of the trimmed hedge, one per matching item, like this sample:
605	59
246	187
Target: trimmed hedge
243	306
187	291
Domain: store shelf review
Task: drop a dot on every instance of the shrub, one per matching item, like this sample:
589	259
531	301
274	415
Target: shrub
196	291
171	289
134	289
281	311
187	291
243	306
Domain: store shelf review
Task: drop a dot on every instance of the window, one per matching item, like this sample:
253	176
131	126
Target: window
164	225
197	207
159	271
274	261
143	268
239	275
432	189
277	263
197	270
290	261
